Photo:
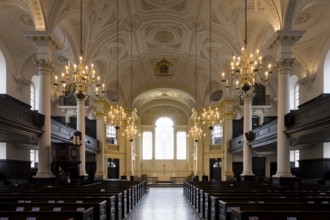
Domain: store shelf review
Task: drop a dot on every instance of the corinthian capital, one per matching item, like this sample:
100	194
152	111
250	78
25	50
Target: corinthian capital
285	62
41	62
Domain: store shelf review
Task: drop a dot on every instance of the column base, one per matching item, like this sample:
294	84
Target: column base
44	175
44	181
229	176
247	178
284	181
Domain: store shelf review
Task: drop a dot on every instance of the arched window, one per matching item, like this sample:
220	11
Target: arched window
111	134
32	97
326	74
181	145
147	145
296	96
216	135
164	139
3	85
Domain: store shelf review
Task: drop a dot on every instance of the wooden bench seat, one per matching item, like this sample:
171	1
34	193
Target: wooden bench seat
99	209
225	209
238	214
86	214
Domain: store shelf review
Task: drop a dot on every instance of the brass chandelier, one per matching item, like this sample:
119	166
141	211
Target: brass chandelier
246	69
210	115
77	79
131	130
116	115
196	132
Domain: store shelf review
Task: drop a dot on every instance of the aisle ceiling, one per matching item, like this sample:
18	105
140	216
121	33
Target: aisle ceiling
163	29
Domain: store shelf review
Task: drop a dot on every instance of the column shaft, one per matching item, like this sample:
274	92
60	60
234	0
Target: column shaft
283	147
81	128
247	153
44	141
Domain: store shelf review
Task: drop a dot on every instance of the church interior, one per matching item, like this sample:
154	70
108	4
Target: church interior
137	93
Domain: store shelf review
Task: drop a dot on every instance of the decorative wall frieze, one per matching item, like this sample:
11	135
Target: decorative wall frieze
287	37
42	38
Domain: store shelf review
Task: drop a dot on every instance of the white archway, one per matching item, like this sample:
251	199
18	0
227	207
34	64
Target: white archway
326	74
3	75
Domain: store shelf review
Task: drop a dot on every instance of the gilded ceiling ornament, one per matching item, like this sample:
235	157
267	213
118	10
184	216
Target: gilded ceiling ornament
164	69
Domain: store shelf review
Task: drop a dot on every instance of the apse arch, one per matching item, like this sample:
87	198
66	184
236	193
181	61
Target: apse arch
3	75
326	73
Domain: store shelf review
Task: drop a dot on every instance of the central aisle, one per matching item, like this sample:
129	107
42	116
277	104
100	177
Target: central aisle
164	203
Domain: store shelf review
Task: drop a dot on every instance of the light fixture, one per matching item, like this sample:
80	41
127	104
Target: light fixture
196	131
77	79
131	130
246	69
116	115
210	116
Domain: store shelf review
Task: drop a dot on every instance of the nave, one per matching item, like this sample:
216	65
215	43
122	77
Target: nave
164	203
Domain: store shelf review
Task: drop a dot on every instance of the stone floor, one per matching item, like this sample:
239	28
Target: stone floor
164	203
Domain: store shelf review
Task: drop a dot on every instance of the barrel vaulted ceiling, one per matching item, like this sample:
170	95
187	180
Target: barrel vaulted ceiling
163	29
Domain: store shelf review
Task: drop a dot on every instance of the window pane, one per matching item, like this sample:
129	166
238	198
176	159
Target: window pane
32	98
296	96
216	136
164	146
181	145
147	145
111	134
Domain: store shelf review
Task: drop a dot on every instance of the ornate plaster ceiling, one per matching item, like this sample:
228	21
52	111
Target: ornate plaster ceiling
162	29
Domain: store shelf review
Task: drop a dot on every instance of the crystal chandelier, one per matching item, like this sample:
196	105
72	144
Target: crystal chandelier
78	78
196	132
116	115
131	130
246	69
211	115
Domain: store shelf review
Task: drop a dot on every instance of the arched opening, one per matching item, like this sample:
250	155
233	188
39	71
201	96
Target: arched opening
3	75
326	74
164	143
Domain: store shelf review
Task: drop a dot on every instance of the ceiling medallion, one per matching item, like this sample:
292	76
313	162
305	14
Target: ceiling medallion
163	37
302	18
163	69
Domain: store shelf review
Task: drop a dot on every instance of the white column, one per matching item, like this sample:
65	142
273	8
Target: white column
247	153
200	158
45	43
227	111
283	146
81	128
100	157
283	43
44	141
128	158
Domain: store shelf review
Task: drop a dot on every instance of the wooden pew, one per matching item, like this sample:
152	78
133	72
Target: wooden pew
127	194
86	214
99	208
110	200
226	207
238	214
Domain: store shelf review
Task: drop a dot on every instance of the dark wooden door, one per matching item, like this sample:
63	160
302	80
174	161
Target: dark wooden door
113	168
215	169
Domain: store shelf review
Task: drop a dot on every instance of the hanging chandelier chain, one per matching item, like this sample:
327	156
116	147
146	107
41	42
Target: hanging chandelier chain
117	63
210	48
81	31
245	25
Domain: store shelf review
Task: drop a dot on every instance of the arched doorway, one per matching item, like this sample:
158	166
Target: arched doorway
113	168
215	169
